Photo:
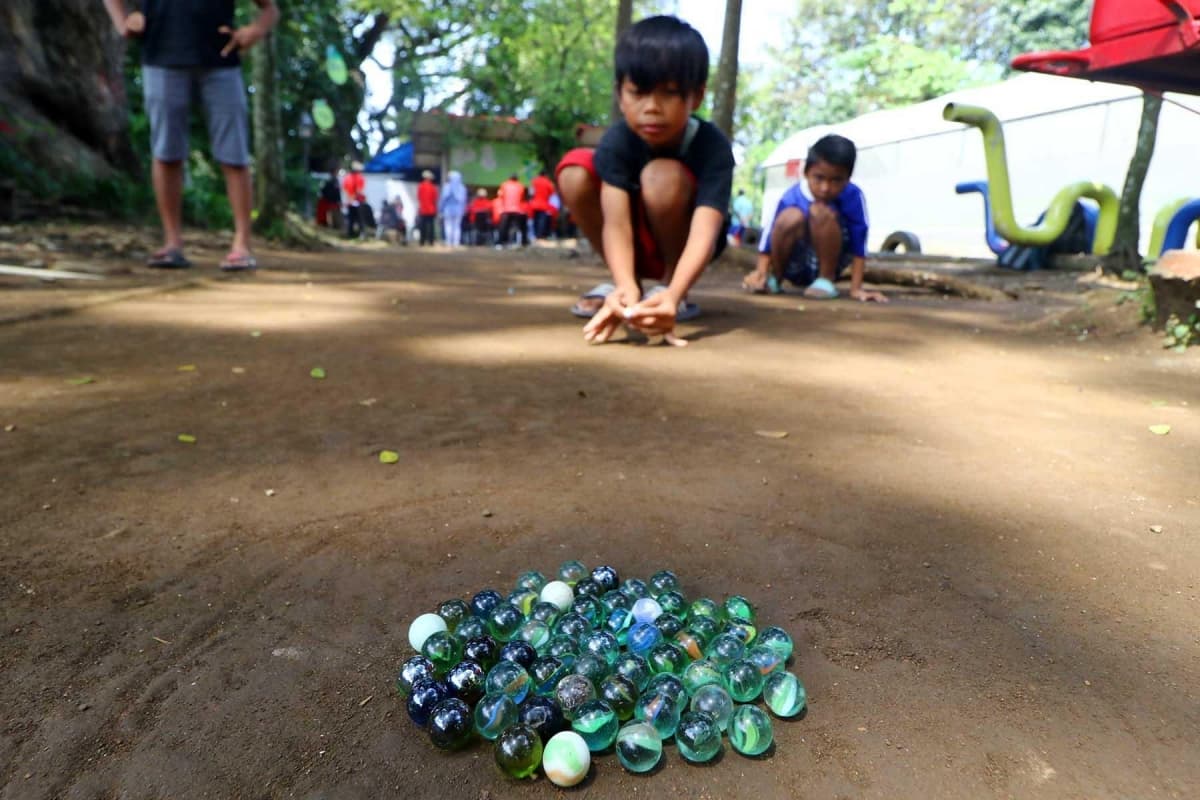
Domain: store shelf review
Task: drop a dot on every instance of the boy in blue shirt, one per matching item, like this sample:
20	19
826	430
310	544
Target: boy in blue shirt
812	239
652	197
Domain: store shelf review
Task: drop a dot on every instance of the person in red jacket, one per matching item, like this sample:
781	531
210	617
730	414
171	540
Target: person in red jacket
512	195
354	188
543	189
427	207
480	214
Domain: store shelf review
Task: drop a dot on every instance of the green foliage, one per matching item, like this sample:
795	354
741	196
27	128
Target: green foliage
115	194
1182	334
843	58
548	61
1143	296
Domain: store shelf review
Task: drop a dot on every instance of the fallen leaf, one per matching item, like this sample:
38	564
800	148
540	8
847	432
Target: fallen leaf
1156	529
370	401
186	368
256	334
800	307
9	428
81	381
318	373
269	492
238	370
772	434
388	456
186	438
1160	430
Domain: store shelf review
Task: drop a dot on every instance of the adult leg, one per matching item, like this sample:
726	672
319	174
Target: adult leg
239	188
168	197
168	100
224	98
580	192
453	223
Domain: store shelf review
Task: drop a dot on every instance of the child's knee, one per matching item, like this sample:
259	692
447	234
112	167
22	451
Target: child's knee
823	220
666	183
575	182
788	223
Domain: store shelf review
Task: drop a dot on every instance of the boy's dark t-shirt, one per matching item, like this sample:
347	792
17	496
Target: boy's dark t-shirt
184	33
622	154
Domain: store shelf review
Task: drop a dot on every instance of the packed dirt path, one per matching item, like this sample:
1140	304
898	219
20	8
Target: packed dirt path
987	560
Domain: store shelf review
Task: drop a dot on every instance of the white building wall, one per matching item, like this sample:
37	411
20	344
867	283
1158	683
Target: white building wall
1058	131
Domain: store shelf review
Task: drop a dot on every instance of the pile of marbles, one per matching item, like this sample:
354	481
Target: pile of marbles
561	669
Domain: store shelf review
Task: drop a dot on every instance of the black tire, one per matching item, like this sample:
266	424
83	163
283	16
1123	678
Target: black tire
901	239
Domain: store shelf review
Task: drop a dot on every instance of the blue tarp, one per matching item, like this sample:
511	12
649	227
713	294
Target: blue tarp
398	159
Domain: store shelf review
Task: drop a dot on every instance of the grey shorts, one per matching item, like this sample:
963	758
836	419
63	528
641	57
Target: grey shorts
169	92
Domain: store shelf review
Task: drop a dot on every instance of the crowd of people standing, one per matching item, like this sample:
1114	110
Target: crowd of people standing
513	215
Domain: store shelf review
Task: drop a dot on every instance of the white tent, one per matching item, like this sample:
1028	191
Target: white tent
1058	131
383	186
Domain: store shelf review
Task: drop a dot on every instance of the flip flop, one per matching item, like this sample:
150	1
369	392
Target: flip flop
598	292
168	258
821	289
238	262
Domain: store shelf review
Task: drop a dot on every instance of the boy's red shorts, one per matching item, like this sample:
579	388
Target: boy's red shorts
648	261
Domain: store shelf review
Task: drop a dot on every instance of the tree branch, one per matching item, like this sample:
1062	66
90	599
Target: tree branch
366	45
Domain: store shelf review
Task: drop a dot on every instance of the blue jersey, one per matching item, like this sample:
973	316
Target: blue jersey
851	208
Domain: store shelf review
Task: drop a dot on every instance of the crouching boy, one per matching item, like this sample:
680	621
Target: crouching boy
652	197
815	236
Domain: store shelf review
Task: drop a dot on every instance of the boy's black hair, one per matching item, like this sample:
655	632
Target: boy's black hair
660	50
833	149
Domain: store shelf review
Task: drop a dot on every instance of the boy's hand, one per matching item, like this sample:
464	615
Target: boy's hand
655	316
243	38
868	296
605	322
135	24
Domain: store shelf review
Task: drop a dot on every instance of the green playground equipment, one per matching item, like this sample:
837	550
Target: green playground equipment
1171	226
1059	212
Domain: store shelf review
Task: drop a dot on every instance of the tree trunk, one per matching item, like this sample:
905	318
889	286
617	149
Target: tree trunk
624	20
1124	255
63	113
269	190
725	92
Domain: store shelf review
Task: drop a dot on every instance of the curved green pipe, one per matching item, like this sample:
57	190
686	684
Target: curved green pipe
1059	212
1162	221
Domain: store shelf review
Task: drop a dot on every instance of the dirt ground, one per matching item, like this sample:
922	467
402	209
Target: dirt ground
987	560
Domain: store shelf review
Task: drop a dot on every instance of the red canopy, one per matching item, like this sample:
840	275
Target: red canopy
1151	44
